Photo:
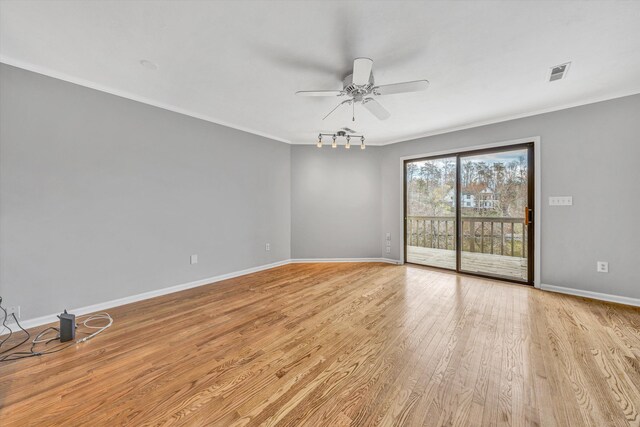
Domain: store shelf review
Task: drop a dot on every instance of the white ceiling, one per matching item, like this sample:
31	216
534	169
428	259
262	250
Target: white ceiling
239	63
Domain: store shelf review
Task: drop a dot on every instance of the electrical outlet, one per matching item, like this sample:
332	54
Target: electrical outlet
13	309
194	259
602	267
388	249
267	247
388	243
388	237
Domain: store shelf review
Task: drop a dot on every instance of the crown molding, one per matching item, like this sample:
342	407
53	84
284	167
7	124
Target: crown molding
503	119
128	95
123	94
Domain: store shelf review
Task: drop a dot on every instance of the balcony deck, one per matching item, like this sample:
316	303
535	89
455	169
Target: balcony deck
502	265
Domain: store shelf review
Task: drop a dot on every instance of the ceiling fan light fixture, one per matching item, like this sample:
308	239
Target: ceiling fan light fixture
334	144
319	143
348	144
362	146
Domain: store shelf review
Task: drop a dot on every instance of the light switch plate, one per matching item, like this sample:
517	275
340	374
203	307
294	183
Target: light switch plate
561	201
194	259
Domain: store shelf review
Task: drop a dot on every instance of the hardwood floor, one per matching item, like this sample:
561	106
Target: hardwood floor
339	345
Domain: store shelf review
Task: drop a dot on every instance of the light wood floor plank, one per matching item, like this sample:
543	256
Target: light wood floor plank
342	345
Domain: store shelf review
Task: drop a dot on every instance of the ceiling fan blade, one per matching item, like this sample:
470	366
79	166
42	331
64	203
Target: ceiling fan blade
414	86
348	101
319	93
376	109
361	71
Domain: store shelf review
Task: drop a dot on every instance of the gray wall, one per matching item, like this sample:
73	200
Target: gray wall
335	202
591	153
102	197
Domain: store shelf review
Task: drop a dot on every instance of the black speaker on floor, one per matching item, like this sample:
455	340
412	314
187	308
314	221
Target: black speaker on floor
67	326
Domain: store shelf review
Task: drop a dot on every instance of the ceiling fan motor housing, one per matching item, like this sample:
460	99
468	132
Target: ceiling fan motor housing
358	91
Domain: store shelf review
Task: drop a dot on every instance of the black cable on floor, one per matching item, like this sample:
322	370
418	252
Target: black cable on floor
4	325
23	330
6	356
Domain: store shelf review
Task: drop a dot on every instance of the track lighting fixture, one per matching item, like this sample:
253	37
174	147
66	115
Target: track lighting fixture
340	134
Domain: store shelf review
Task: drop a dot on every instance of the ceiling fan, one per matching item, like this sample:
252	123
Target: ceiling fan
360	87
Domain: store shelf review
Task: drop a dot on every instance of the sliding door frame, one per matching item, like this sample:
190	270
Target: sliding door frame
533	244
529	146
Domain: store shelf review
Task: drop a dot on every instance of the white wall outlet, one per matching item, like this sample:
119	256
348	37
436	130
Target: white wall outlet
388	249
388	237
561	201
388	243
602	267
267	247
13	309
194	259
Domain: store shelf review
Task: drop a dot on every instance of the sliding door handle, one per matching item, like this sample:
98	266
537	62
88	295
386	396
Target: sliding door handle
528	216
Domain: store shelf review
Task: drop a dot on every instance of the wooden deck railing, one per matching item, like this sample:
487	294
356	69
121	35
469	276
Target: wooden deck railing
500	235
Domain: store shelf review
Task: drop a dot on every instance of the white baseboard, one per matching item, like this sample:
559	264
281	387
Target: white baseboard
43	320
594	295
313	260
51	318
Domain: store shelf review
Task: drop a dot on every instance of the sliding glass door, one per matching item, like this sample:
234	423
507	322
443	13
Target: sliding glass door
472	212
431	212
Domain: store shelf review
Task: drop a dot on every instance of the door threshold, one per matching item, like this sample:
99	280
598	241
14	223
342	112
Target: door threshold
469	274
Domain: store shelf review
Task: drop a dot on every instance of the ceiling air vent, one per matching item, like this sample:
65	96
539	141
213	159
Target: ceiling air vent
559	72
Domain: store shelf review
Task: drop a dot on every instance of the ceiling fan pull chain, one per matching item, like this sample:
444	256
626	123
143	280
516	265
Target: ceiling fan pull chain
353	111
